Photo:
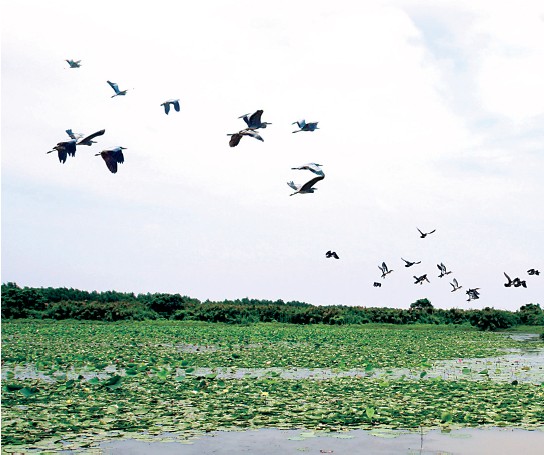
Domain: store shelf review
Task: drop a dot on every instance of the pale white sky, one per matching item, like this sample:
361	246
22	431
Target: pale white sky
430	113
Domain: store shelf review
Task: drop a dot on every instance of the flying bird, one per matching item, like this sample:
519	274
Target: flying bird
421	279
423	235
305	126
74	63
333	254
254	120
65	149
533	272
384	269
306	188
377	285
442	269
314	167
235	138
410	263
167	104
115	88
89	139
473	294
112	157
455	285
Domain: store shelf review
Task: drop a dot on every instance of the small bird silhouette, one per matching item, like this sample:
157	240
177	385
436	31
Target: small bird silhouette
112	157
235	138
254	120
330	254
115	88
425	234
312	126
167	104
74	63
384	269
421	279
473	294
65	149
307	187
455	285
377	285
410	263
442	269
533	272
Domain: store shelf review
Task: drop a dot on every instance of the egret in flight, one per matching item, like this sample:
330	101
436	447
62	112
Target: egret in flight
167	104
112	157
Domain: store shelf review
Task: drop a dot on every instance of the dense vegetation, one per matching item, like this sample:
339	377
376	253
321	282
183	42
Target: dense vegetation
64	303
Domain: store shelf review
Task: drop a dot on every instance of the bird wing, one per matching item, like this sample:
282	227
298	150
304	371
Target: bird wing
71	134
166	107
455	282
235	139
253	134
507	277
111	162
176	105
419	231
311	183
293	185
87	140
384	267
431	231
335	255
114	86
407	262
62	154
255	118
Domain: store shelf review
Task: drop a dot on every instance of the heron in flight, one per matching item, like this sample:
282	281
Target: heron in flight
65	149
533	272
167	104
384	269
307	187
87	140
314	167
115	88
112	157
332	254
473	294
425	234
410	263
442	269
455	285
254	120
312	126
74	63
235	138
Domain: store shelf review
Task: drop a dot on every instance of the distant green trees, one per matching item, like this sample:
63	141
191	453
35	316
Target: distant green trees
64	303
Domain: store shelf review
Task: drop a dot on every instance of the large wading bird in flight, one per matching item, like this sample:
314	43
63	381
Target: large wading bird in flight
306	188
74	63
167	104
425	234
384	269
455	285
312	126
235	138
254	120
65	149
86	140
314	167
112	157
115	88
410	263
421	279
443	271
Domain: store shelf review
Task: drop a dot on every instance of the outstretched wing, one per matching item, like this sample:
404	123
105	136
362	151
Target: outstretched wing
87	140
176	105
293	185
114	86
253	134
71	134
311	183
166	107
62	154
235	139
507	277
255	118
112	157
420	231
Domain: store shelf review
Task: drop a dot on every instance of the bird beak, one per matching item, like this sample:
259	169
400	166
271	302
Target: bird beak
96	154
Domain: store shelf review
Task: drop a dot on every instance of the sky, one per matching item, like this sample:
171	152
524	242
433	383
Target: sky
430	116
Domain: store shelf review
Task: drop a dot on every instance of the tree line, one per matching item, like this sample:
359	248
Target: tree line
68	303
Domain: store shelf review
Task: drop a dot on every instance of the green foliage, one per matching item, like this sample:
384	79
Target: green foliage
492	319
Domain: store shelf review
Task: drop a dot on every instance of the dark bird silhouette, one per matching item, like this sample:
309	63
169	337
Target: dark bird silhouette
473	294
74	63
254	120
89	139
425	234
235	138
306	188
65	149
167	104
533	272
410	263
384	269
377	285
421	279
455	285
442	269
312	126
115	88
112	157
330	254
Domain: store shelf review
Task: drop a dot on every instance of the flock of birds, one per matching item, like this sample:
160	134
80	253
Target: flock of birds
472	293
114	156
